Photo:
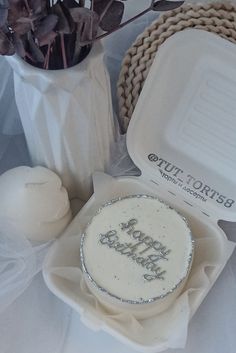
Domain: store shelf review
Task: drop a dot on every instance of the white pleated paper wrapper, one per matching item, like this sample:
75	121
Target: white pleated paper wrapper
62	271
68	123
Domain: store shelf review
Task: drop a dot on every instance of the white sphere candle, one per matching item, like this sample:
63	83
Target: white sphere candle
136	255
34	203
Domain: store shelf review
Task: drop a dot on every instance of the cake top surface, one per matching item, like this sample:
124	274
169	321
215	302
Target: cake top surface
137	249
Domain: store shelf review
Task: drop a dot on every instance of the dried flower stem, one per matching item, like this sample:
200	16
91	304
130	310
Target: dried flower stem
29	56
77	49
120	26
46	61
91	27
63	51
27	6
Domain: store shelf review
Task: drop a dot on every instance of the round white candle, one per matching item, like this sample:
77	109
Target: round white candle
34	203
137	251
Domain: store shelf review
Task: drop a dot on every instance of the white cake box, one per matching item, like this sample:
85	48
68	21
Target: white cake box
182	137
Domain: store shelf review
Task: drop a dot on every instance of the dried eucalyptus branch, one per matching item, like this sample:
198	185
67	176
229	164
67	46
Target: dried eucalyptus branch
55	34
161	5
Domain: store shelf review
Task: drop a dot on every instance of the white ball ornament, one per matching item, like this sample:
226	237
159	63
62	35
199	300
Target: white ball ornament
34	203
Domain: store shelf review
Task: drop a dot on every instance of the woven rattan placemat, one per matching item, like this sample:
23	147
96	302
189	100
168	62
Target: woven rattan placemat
219	18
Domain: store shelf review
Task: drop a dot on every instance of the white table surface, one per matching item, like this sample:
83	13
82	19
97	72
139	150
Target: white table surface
212	329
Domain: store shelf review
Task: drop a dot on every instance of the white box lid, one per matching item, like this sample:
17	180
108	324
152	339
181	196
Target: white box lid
182	135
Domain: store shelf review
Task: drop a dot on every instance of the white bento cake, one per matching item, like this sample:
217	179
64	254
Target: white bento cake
136	254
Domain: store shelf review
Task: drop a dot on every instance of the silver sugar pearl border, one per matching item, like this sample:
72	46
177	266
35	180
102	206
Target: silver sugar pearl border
129	301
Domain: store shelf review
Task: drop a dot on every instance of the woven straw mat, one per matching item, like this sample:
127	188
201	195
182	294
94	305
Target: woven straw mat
219	18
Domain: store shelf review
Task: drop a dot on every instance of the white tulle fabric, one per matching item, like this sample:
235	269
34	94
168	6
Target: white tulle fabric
31	318
20	261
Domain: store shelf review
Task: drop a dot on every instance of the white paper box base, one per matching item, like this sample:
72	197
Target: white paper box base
67	118
63	275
